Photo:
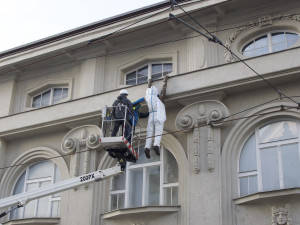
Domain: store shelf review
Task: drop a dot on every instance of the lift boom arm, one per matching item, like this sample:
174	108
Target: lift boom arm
23	198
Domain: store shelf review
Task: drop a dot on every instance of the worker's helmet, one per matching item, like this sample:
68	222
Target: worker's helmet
123	92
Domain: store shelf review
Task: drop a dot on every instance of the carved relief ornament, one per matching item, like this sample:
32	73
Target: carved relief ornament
281	216
207	114
261	22
78	140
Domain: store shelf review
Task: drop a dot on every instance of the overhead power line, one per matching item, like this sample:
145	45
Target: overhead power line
210	123
215	39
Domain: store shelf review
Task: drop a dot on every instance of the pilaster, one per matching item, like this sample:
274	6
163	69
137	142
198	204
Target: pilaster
201	120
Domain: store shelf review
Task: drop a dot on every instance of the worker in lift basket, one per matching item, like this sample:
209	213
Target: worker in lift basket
118	113
157	117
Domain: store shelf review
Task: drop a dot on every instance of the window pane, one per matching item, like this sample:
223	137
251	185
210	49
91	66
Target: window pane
117	201
43	169
171	196
261	42
170	168
249	53
121	201
30	207
261	51
65	93
136	189
36	101
19	188
118	182
156	76
253	184
57	177
278	37
43	203
175	196
167	196
244	186
279	47
278	131
57	95
156	71
248	156
55	209
269	166
157	68
153	184
143	71
131	75
248	47
131	82
143	159
46	98
141	80
291	36
114	202
167	68
291	165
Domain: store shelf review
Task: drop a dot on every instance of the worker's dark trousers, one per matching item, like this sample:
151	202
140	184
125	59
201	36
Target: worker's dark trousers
119	123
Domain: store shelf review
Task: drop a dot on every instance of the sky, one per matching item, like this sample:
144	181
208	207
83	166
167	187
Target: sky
25	21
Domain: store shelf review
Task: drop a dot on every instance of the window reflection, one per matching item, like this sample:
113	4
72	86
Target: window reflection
271	42
270	159
278	131
148	182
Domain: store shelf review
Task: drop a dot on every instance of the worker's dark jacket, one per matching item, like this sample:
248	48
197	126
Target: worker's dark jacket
119	111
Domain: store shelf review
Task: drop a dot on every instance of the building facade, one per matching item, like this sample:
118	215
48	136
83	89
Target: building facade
230	152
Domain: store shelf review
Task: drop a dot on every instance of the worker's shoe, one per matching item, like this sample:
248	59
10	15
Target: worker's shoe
156	149
147	152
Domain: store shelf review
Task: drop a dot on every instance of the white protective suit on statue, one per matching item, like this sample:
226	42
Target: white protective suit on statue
157	117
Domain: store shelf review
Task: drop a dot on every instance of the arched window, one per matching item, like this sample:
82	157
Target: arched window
36	176
270	158
270	42
49	97
152	71
148	182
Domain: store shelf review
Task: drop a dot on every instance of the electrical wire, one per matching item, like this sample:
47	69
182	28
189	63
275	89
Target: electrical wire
122	52
125	51
168	42
103	38
216	40
210	123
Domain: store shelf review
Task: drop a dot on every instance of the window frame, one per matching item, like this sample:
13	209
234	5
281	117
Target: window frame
258	147
144	166
52	198
269	42
149	68
51	96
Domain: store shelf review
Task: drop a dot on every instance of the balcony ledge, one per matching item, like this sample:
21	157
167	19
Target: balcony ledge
153	210
261	196
33	221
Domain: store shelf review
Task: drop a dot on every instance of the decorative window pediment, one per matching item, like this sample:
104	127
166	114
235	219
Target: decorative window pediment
265	35
151	66
154	71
